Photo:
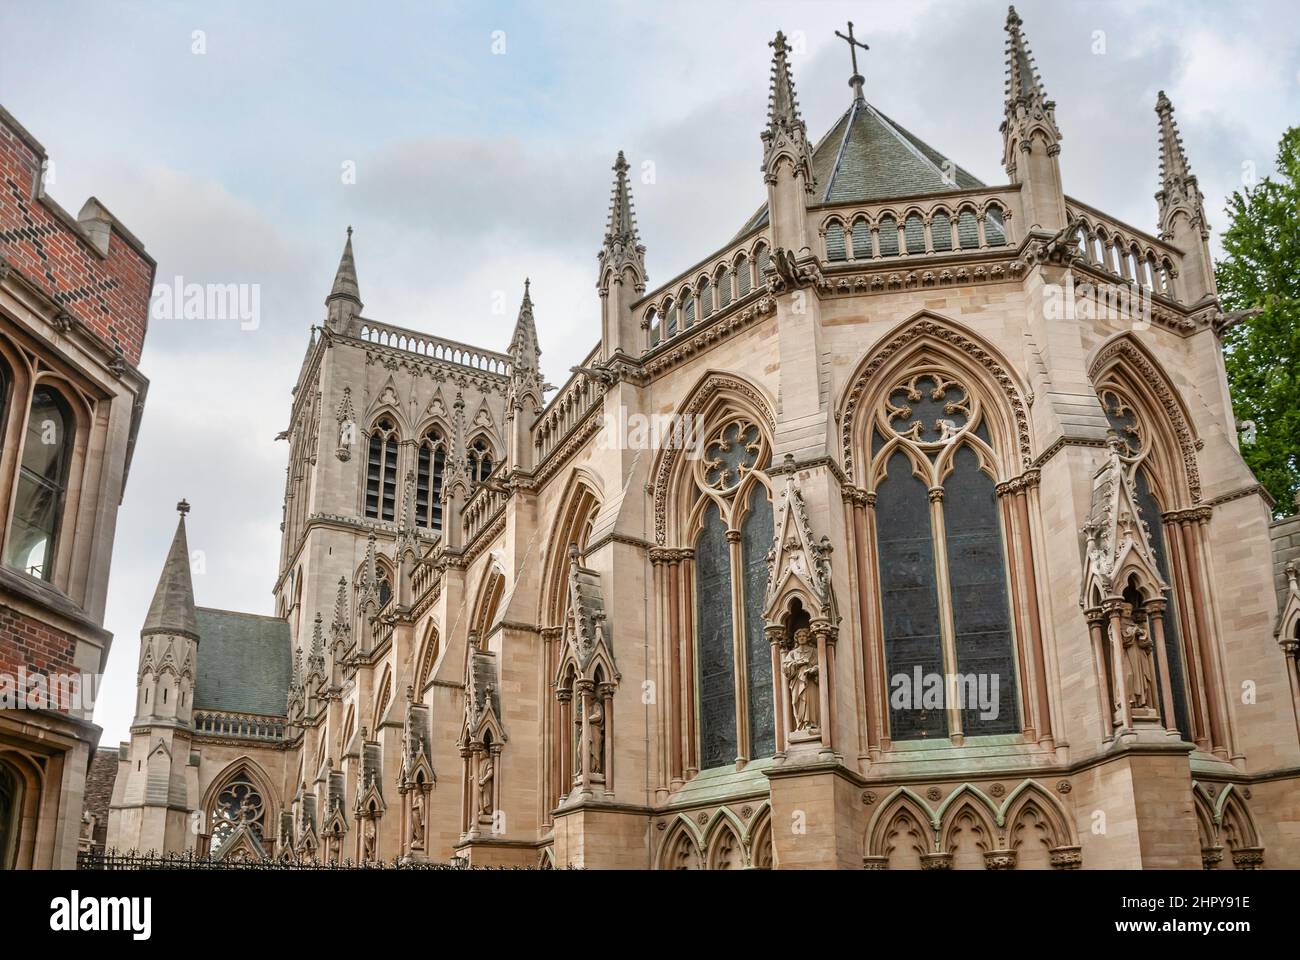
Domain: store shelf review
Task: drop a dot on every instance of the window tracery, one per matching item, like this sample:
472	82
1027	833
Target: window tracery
943	575
734	531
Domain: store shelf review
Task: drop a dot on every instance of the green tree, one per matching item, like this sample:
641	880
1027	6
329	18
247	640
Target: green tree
1262	354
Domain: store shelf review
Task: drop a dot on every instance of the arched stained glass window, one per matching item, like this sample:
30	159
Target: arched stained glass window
940	542
42	482
756	541
381	471
238	801
977	578
1123	417
731	548
1150	510
909	597
715	629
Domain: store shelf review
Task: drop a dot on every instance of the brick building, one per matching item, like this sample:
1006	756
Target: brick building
74	301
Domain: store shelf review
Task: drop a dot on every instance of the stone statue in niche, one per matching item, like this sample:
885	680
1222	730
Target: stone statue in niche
417	819
1138	666
596	744
799	664
487	774
368	840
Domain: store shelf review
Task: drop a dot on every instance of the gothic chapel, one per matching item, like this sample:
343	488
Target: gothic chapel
954	579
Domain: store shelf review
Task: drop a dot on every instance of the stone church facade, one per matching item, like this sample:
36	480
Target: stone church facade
945	556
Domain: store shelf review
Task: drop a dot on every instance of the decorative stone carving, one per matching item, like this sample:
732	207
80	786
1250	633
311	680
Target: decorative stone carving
799	664
1141	675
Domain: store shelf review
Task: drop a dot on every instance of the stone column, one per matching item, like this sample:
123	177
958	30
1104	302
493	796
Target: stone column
1114	613
606	693
1155	610
780	689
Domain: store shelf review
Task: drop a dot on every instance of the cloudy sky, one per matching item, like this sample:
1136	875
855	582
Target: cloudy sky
481	136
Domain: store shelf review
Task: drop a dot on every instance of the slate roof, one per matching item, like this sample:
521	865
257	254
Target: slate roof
243	662
866	157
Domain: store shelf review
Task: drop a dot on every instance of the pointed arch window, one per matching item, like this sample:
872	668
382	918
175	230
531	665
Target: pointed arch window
42	484
238	801
430	466
734	667
381	471
1127	425
944	593
479	460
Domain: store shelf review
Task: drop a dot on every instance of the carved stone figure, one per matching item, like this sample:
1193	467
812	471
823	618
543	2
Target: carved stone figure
596	743
799	664
368	840
487	774
1138	666
417	819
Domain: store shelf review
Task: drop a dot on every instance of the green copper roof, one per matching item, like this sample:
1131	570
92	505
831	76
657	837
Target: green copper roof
867	157
243	662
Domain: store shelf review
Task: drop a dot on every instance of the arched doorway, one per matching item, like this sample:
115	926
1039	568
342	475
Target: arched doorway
11	801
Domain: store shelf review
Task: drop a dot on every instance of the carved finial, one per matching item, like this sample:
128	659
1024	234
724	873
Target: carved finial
183	507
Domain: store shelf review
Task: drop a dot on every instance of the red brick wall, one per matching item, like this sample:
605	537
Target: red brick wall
110	296
35	647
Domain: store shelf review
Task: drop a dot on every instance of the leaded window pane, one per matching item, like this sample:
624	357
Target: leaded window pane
980	610
909	599
1150	511
756	541
715	654
42	478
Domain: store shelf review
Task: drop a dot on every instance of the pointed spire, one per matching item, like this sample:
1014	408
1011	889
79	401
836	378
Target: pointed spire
622	247
344	299
342	622
370	573
1031	140
786	136
1023	80
172	609
782	103
524	349
316	659
1178	186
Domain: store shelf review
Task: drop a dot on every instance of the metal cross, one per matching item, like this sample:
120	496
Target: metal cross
853	45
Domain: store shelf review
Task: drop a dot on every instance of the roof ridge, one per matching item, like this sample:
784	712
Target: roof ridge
241	613
851	114
906	140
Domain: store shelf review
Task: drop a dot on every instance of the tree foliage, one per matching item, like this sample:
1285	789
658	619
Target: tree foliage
1262	354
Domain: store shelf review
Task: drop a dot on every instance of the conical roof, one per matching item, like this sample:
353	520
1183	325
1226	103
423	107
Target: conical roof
172	609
